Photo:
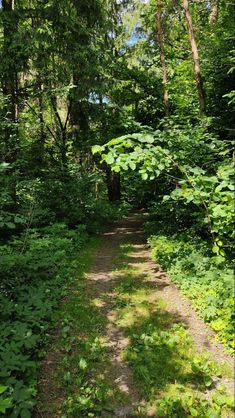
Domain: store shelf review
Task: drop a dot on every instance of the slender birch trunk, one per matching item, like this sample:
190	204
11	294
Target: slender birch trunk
163	59
214	12
196	62
9	79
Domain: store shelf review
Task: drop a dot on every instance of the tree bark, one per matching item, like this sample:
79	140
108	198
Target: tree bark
163	60
214	12
10	76
196	62
61	135
113	185
9	88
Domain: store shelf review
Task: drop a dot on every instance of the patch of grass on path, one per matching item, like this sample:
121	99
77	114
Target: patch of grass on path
172	378
81	382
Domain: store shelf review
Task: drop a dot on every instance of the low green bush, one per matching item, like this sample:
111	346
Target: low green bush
37	254
189	404
35	272
210	285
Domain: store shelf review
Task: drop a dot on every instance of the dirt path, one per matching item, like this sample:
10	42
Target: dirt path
102	281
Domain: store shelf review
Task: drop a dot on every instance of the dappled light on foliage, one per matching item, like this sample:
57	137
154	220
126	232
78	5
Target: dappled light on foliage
107	108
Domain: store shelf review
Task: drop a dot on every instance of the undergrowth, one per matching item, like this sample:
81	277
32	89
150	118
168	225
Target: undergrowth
171	377
37	267
36	280
82	376
210	286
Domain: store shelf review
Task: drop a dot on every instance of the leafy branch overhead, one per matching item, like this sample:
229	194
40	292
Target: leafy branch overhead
177	153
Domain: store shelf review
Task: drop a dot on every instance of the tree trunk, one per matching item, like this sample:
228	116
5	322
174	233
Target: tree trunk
113	185
214	12
61	135
78	115
10	74
163	60
195	55
9	88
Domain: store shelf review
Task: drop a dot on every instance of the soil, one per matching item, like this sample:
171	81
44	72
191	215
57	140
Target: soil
102	279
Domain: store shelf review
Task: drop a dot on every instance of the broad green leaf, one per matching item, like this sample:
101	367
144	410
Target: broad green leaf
132	165
193	412
144	176
83	364
10	225
25	413
116	168
3	389
5	404
109	158
96	149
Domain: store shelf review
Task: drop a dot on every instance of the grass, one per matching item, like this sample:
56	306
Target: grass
81	382
202	278
171	378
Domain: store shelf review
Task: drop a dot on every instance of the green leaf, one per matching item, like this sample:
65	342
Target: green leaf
82	364
193	412
96	149
144	176
132	165
116	169
149	139
208	381
25	413
5	404
109	158
215	249
3	389
10	225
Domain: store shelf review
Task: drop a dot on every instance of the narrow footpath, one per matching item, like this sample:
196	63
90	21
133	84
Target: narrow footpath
128	339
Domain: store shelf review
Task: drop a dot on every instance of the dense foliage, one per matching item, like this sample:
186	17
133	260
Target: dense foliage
76	75
186	160
36	280
176	152
188	260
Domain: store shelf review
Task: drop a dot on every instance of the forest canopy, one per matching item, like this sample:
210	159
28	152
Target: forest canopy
109	106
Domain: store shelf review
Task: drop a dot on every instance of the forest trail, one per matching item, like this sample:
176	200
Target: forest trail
128	289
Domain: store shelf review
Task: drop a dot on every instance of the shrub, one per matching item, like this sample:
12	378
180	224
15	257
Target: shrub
209	285
33	282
